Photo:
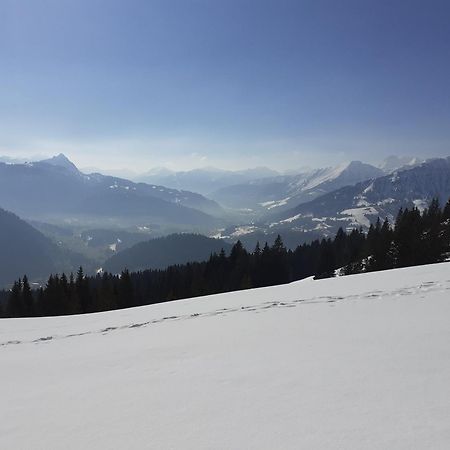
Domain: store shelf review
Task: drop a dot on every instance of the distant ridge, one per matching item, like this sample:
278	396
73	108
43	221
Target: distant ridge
54	190
284	192
204	180
162	252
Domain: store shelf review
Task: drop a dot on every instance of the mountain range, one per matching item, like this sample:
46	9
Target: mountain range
205	180
359	205
55	190
354	205
284	192
108	219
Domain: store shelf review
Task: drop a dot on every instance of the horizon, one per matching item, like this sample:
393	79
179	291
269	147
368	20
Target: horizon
127	172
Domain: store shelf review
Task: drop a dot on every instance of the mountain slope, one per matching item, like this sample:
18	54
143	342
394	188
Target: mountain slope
354	206
162	252
313	365
284	192
393	163
55	190
24	250
60	160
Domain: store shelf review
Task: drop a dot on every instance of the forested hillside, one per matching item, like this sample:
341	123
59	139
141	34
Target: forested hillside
165	251
24	250
415	239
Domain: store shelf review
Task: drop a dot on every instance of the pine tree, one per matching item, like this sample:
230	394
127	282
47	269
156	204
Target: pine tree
432	236
82	290
27	298
15	306
445	226
327	260
125	290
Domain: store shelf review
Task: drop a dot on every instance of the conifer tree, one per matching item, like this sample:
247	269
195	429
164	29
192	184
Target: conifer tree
125	290
15	305
82	291
27	298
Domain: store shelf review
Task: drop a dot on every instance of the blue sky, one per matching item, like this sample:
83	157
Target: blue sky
136	84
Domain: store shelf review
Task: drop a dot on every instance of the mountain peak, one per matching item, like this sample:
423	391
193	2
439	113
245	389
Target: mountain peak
363	169
61	160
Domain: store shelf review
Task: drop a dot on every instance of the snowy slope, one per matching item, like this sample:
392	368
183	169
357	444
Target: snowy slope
357	362
359	205
285	192
394	162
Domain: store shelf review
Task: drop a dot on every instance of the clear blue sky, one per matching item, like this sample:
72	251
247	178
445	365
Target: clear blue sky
137	84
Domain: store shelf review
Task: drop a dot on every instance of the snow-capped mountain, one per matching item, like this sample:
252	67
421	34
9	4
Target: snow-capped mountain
54	189
205	180
393	163
361	204
284	192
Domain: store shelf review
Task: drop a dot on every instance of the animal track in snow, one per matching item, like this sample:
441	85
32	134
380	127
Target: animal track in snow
332	300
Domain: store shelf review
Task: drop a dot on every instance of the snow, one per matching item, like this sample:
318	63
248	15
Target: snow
362	202
275	203
395	177
217	234
369	188
321	226
420	204
290	220
386	201
324	175
359	215
356	362
265	204
243	230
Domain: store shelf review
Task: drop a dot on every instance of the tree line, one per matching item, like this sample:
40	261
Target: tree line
415	238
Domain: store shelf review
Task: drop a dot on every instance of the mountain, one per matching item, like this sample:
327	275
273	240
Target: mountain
284	192
60	160
356	362
162	252
24	250
393	163
205	180
361	204
54	190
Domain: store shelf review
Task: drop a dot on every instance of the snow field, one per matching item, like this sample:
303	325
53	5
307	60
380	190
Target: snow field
356	362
